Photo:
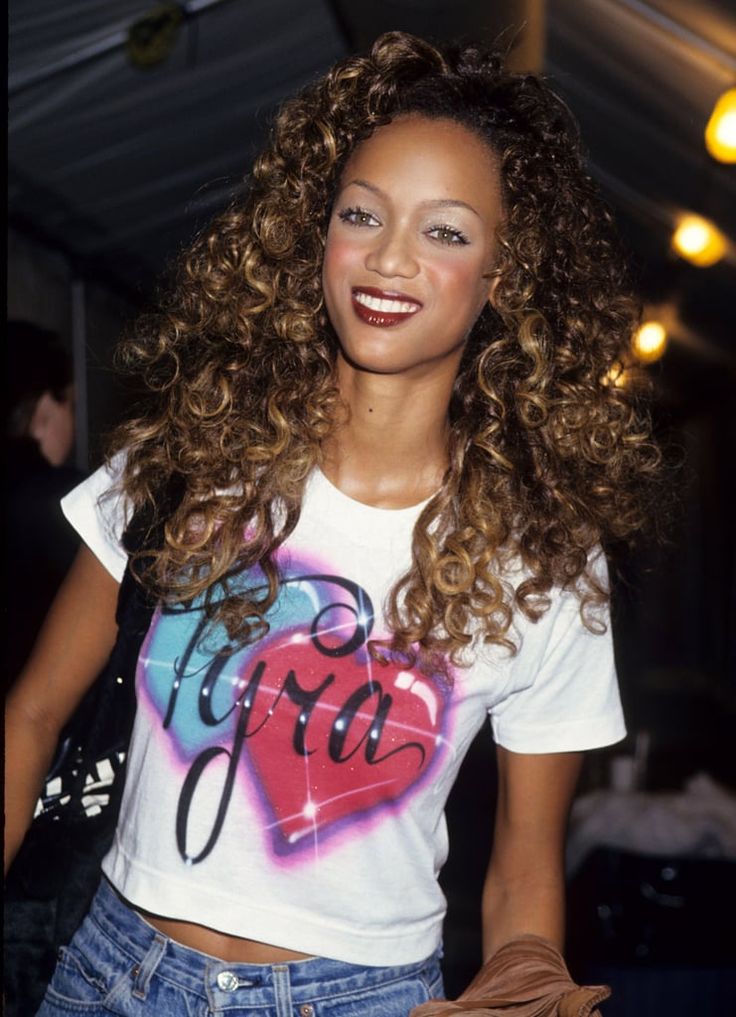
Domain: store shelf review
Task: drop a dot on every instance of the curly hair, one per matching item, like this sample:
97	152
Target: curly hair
547	459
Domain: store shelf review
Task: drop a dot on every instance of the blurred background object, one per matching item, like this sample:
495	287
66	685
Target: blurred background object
38	544
132	123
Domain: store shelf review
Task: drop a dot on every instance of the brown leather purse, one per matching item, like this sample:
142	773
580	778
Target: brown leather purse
526	977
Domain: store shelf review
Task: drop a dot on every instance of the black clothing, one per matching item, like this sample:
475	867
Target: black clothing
39	545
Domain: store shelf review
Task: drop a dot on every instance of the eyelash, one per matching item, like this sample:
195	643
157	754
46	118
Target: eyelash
457	235
351	216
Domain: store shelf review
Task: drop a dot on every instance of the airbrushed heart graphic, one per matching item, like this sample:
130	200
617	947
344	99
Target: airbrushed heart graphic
303	721
356	737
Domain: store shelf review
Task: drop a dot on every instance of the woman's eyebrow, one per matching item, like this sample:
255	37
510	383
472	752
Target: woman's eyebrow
430	203
357	182
448	203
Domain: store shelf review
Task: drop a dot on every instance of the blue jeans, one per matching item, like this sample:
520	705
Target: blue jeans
118	964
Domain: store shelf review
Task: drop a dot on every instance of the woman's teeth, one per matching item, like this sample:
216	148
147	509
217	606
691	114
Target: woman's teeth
385	306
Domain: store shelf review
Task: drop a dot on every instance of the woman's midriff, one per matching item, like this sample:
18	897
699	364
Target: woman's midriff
219	944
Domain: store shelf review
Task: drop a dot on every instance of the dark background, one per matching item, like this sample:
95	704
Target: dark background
130	125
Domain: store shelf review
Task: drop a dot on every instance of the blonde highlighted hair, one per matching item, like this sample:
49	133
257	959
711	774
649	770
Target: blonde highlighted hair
546	459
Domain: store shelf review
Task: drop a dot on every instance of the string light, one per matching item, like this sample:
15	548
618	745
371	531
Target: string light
616	375
698	241
649	341
720	133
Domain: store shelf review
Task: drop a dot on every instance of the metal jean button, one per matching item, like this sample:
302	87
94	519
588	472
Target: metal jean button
227	981
306	1010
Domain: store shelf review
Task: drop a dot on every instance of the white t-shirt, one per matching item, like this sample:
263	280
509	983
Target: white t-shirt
293	792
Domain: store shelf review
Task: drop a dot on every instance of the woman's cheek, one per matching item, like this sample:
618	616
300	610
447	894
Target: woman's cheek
336	273
461	277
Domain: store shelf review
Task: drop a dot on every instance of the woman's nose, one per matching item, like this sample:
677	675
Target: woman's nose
393	254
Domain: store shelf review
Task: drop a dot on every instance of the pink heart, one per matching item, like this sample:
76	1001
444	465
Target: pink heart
332	738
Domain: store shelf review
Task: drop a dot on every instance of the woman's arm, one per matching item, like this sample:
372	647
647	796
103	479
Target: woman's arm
71	650
524	888
523	898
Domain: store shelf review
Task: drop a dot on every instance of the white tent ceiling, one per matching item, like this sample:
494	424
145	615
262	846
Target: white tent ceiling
113	161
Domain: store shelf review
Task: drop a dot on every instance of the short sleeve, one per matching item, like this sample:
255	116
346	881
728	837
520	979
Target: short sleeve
563	696
97	513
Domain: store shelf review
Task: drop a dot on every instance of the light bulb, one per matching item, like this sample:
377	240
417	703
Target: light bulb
649	341
698	241
615	375
720	133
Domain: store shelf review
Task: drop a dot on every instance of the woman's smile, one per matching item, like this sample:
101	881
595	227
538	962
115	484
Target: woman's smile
383	309
410	246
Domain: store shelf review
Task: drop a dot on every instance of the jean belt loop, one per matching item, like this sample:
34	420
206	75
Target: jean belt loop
282	989
144	972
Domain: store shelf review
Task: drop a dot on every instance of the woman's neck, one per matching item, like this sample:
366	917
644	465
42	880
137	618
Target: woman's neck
390	448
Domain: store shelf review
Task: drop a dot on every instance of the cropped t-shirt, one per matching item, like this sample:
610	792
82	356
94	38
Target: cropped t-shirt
293	791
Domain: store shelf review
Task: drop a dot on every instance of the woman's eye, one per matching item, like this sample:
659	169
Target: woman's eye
447	235
357	217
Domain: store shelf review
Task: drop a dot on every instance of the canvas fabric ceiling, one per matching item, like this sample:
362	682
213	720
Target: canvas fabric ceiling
110	160
116	165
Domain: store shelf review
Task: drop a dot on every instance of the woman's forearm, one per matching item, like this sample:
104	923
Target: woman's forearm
28	753
71	649
524	891
527	904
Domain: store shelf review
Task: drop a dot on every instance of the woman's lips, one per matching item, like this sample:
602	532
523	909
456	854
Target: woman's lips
383	309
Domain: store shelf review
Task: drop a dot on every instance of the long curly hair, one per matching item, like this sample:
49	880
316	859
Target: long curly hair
547	458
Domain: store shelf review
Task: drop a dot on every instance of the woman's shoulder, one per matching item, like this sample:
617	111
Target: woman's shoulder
97	509
539	618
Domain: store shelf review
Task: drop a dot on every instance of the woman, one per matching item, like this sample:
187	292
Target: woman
381	427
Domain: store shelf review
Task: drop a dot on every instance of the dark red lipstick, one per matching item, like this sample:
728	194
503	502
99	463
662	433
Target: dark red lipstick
383	308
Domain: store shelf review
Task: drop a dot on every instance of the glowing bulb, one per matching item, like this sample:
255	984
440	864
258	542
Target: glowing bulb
720	133
616	375
698	241
649	341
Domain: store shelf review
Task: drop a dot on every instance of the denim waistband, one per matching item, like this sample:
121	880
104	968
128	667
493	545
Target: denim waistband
150	951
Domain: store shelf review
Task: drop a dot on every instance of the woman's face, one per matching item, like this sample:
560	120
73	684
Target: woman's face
410	246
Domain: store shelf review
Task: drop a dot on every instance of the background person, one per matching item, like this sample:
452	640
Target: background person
39	546
49	887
